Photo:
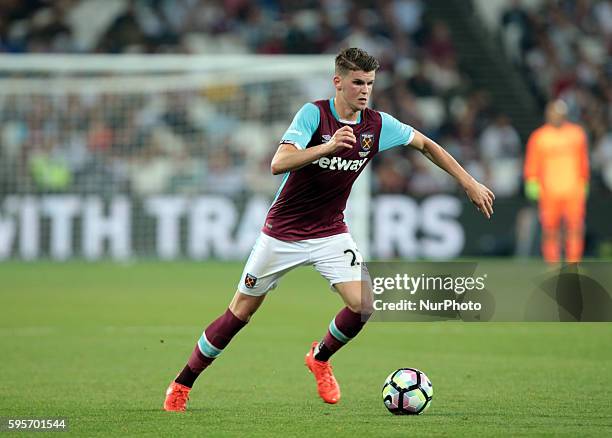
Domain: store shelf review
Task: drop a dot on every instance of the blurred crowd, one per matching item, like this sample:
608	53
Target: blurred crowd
563	49
182	141
139	146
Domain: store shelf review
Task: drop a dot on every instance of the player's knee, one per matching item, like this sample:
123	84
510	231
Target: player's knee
550	233
575	227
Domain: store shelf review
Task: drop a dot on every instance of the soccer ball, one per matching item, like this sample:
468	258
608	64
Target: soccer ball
407	391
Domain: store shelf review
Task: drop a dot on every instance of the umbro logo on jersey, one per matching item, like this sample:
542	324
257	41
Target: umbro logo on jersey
338	163
326	137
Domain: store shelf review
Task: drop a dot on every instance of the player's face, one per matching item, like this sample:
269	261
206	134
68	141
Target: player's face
556	112
355	88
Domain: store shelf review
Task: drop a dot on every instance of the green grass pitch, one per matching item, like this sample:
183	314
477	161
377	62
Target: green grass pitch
98	343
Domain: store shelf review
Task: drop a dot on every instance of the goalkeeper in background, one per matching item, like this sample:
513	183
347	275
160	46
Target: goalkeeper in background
321	155
557	176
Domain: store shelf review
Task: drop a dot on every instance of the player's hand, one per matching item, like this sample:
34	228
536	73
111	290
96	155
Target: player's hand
481	197
532	190
342	138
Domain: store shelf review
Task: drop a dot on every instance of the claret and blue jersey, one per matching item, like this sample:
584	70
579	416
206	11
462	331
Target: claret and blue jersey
310	202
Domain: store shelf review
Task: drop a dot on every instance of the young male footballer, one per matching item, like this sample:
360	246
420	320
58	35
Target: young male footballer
327	145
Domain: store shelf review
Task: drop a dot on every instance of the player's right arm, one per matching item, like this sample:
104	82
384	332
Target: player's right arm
293	153
289	157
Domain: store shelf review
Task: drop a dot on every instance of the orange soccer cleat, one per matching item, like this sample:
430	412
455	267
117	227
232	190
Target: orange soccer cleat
327	386
176	397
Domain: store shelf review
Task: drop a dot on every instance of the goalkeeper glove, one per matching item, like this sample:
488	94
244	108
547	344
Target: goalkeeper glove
532	190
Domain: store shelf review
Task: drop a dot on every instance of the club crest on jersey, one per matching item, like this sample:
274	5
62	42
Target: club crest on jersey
367	141
249	281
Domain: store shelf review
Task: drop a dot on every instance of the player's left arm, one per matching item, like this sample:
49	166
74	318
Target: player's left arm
480	195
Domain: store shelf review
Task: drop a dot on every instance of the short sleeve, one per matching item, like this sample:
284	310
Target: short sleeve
394	133
303	126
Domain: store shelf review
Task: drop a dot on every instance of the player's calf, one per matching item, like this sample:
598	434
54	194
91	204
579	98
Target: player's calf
344	327
211	344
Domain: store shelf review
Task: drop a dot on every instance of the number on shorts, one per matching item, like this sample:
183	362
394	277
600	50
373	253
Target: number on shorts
353	254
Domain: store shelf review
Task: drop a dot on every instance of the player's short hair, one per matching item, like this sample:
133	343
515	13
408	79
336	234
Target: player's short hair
355	59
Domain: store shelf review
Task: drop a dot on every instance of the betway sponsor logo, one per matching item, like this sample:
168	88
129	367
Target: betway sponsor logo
337	163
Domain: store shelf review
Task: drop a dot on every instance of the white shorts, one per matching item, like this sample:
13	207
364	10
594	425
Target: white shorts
335	257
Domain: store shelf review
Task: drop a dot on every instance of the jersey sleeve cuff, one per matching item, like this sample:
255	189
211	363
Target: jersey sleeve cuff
292	142
410	138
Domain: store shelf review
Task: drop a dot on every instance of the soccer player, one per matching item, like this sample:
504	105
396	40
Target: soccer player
557	175
321	154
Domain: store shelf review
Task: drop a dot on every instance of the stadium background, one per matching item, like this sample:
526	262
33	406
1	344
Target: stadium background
88	172
474	77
